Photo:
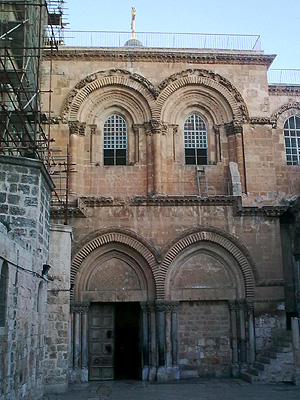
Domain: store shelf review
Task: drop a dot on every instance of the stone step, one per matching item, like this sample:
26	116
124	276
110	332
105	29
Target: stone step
260	365
264	360
270	354
246	376
253	371
279	349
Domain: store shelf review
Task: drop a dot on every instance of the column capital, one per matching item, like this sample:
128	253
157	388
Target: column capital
77	128
166	306
79	308
233	128
93	128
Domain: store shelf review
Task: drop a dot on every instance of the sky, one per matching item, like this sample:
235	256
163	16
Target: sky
276	21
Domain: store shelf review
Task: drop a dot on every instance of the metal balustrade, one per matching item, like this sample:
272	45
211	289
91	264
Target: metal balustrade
163	40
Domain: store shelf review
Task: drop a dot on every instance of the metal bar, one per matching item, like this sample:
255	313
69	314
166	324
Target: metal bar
13	29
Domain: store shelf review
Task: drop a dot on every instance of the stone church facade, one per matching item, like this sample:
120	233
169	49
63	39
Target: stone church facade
184	167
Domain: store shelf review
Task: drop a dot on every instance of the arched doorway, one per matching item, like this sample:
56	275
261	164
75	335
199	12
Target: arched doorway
110	329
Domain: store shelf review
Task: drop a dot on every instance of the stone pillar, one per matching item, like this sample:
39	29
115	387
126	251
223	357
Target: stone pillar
218	154
153	346
242	335
76	129
84	345
251	334
149	158
234	339
156	141
92	143
296	349
79	312
135	128
57	325
145	342
73	150
157	129
240	154
167	341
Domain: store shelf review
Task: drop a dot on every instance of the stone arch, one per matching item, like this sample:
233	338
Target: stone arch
119	242
101	79
210	81
210	235
285	111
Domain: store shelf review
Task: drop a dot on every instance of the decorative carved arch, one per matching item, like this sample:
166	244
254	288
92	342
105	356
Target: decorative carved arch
110	237
101	79
204	78
211	235
285	107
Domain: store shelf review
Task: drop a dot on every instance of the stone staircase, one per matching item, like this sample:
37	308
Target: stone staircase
275	364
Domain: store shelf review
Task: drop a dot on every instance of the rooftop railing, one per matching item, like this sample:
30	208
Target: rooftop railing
163	40
284	76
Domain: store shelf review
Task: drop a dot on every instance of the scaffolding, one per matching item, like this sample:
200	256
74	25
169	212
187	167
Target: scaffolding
27	28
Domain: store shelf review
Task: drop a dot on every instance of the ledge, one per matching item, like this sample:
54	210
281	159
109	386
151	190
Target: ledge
192	56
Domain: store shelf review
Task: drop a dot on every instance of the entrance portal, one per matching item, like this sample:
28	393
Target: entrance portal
127	352
114	350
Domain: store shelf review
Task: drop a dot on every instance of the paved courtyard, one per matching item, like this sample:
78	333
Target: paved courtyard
213	389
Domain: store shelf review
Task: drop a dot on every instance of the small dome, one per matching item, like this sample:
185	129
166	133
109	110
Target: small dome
133	42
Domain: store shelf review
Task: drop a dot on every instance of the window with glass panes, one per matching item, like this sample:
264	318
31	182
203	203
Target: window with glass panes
292	140
115	141
195	141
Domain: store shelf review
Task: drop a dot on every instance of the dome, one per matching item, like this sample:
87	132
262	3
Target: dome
134	42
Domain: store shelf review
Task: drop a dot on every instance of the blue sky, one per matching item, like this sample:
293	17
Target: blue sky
276	21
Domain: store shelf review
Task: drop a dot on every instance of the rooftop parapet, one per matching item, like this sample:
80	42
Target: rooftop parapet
163	40
284	77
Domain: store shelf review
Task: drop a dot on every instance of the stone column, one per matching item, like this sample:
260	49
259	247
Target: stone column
135	128
240	154
242	334
157	129
80	342
167	341
153	346
218	155
234	339
92	143
296	349
149	158
145	342
73	148
156	142
251	334
76	129
84	345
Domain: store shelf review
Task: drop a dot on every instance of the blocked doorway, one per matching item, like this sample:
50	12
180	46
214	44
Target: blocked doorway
114	341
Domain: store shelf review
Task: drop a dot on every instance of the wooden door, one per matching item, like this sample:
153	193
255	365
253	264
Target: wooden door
101	341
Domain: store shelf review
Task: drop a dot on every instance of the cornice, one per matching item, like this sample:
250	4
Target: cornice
170	201
280	90
192	56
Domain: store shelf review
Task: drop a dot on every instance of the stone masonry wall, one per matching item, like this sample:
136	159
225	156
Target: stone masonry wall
58	310
25	190
204	339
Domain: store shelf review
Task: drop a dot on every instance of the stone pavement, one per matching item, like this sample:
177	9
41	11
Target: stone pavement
212	389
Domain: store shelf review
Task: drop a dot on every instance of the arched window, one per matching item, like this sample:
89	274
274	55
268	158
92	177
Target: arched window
292	140
195	141
3	291
115	141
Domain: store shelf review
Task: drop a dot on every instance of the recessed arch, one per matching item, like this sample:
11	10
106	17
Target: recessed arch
210	235
285	111
96	81
206	81
135	249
